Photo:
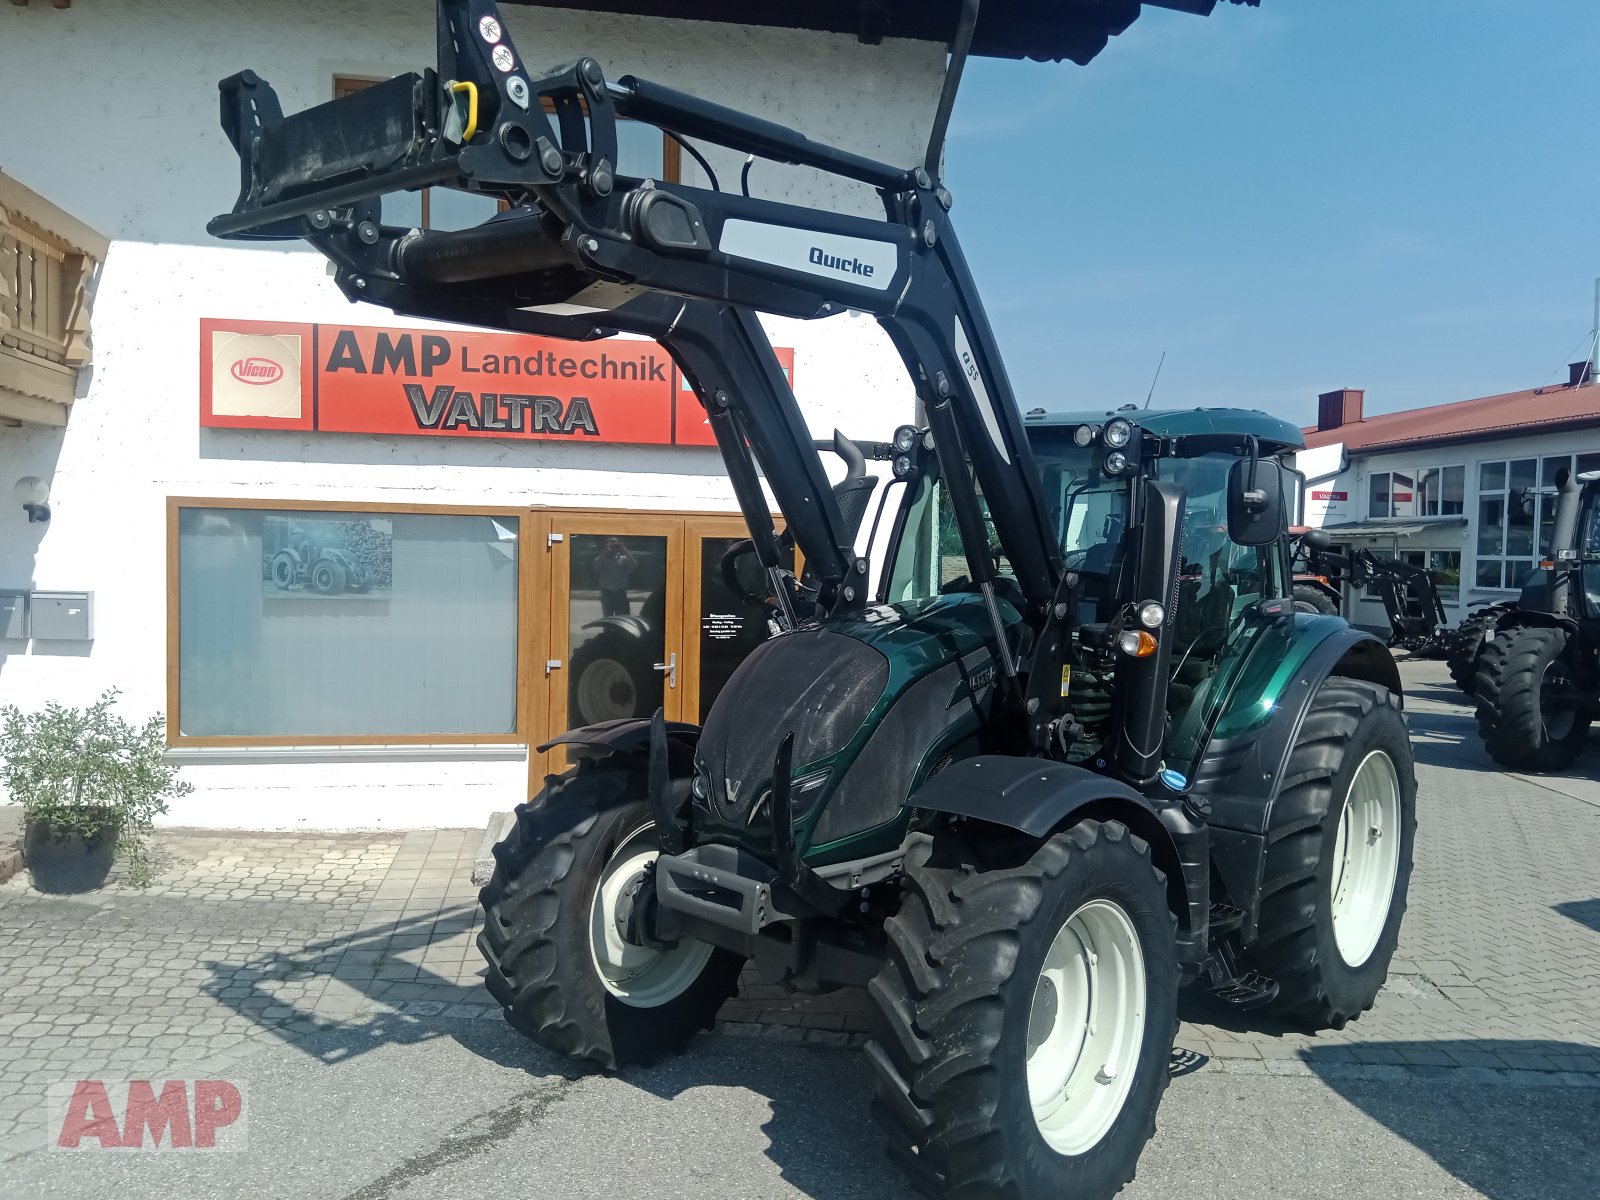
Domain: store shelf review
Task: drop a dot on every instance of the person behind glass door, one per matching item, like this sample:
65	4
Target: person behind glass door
612	566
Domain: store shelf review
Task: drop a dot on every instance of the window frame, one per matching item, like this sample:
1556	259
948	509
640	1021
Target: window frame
526	651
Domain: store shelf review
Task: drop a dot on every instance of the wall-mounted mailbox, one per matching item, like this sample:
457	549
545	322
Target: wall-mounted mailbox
61	616
14	616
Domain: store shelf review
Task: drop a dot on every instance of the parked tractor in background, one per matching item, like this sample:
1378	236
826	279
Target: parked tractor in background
1411	601
1466	641
1537	685
1068	748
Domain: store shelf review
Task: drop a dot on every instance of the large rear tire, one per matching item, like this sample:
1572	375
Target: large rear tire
1465	644
1076	934
1338	862
1520	728
556	960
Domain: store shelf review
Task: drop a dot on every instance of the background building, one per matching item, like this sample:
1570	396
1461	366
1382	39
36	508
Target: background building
1463	488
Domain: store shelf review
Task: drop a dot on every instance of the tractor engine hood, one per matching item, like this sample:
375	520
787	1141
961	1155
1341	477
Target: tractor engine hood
899	675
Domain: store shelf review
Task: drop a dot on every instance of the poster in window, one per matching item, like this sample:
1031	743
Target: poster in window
327	558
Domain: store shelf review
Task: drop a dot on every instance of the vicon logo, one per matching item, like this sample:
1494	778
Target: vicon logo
256	371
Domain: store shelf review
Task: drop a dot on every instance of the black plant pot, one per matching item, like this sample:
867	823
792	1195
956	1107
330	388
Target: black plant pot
63	861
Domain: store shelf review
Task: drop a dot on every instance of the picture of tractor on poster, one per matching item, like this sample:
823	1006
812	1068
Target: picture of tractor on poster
325	558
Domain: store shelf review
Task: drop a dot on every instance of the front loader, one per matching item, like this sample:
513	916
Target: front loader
1069	748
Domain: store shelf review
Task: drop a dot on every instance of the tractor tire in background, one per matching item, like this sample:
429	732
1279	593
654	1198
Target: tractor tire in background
1314	600
327	577
613	677
557	962
1338	861
1520	729
1465	643
982	1103
284	570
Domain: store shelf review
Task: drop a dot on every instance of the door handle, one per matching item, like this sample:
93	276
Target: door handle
671	669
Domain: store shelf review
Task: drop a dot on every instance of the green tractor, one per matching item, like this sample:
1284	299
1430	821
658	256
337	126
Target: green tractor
1067	748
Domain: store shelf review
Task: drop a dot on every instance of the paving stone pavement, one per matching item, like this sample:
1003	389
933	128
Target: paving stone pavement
246	939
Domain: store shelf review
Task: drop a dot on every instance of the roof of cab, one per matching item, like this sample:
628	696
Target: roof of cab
1274	433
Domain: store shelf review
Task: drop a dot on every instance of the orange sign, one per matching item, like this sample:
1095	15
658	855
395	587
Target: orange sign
445	383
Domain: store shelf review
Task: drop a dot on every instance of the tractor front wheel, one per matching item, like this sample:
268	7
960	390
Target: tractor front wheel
558	960
1025	1015
1527	715
1338	861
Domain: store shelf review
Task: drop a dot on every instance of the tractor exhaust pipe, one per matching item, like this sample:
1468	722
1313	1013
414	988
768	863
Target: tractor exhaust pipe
1569	493
1140	705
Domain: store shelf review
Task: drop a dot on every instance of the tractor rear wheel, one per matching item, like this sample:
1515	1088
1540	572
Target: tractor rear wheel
1338	861
1308	599
557	959
1465	643
1077	935
1522	722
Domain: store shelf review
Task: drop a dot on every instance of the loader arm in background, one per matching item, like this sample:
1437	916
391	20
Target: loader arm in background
581	238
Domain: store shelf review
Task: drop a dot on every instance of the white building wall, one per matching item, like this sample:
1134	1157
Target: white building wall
133	147
1353	483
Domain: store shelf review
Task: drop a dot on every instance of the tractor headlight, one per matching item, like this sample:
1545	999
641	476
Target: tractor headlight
698	787
1152	614
1136	643
904	439
1083	434
902	466
1116	463
1118	433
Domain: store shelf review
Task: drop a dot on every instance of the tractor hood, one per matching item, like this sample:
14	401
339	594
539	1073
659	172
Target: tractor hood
886	687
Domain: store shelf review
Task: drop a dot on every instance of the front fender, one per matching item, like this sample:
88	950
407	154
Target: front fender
1038	797
627	735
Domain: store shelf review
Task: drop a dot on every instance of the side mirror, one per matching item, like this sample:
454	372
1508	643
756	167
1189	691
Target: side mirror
1255	507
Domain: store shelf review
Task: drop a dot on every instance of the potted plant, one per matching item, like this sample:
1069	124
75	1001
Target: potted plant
90	784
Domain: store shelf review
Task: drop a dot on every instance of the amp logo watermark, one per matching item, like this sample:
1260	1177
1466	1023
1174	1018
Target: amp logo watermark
147	1114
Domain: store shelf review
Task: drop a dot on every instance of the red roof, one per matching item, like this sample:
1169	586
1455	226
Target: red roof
1545	409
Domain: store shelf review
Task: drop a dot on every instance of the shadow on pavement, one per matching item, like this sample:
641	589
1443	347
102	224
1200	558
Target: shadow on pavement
1584	912
378	997
1503	1142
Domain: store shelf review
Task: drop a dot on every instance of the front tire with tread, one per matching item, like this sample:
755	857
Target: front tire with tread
950	1053
536	927
1511	678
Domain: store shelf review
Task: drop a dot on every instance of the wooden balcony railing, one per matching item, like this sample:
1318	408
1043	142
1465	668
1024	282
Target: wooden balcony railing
48	260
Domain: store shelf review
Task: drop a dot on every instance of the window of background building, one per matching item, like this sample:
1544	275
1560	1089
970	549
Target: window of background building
1516	514
1431	492
642	150
331	624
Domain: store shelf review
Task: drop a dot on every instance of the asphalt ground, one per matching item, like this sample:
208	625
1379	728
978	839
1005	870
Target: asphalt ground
472	1109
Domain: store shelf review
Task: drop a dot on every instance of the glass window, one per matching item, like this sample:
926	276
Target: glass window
1378	495
1445	567
1441	491
1516	507
332	624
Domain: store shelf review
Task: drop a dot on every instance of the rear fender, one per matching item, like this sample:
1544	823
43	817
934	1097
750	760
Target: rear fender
1038	797
1241	776
1530	618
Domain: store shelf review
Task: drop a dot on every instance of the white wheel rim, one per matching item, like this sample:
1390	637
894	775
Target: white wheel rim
606	691
637	975
1086	1027
1557	720
1366	858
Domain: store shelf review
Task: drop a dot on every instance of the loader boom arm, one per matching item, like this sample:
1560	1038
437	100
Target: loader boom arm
584	251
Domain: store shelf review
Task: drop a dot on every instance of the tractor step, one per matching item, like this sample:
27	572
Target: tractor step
1247	991
1233	983
1224	918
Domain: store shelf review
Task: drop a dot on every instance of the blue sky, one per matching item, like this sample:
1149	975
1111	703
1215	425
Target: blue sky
1397	195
